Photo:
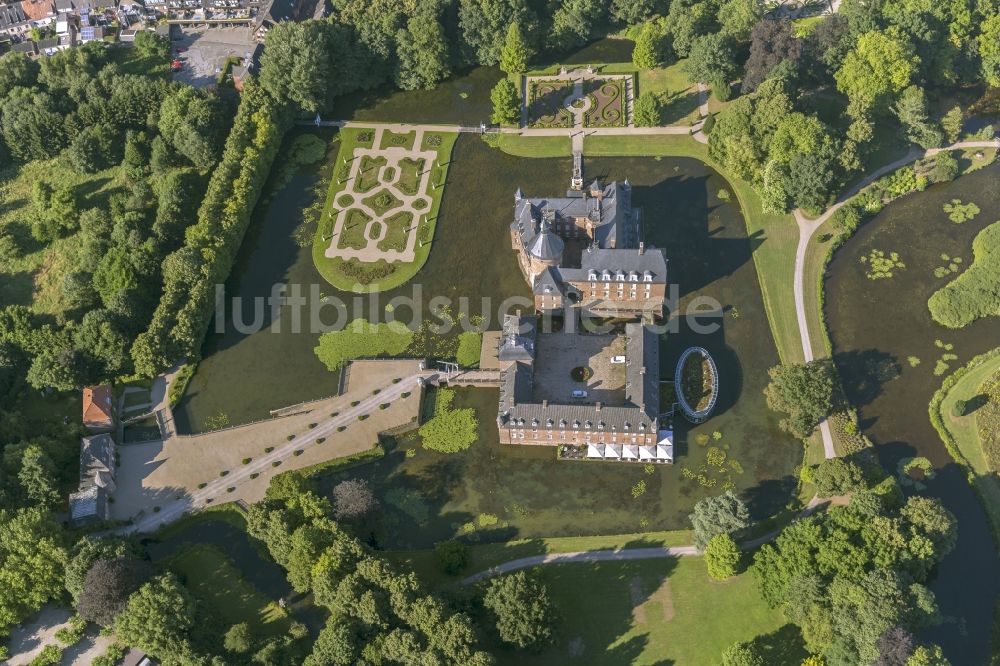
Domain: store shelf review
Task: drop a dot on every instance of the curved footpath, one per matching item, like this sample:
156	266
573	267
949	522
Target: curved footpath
626	553
808	227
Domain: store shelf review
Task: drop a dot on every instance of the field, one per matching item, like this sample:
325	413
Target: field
217	584
663	611
35	277
677	93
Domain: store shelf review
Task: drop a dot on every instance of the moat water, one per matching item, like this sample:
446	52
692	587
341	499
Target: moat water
876	326
529	492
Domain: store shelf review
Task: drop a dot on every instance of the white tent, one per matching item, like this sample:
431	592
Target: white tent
595	450
664	453
613	451
647	453
630	452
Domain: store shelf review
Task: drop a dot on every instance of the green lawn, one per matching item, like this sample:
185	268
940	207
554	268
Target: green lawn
774	258
398	140
396	234
217	584
353	275
535	146
354	232
803	27
662	611
34	278
964	436
484	556
409	178
678	94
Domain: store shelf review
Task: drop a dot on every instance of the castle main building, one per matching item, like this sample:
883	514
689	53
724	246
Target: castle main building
584	254
585	251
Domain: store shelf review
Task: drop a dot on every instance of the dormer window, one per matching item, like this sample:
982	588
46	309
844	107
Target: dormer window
549	423
647	277
562	423
576	425
600	425
606	276
589	425
632	277
592	275
626	425
620	276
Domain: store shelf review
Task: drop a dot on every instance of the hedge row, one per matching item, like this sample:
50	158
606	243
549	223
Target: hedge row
211	244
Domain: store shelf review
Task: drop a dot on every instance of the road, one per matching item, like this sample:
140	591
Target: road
216	490
808	227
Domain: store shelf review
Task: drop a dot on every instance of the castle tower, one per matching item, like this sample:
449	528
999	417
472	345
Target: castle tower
546	250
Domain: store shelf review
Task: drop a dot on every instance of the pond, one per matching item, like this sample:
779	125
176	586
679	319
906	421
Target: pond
892	357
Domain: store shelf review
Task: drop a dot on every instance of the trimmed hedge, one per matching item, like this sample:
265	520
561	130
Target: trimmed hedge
181	319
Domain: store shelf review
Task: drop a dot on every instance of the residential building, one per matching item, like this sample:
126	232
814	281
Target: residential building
97	479
585	251
13	21
98	406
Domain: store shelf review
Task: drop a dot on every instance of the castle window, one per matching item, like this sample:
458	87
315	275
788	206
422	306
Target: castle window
621	276
606	276
647	277
592	275
632	277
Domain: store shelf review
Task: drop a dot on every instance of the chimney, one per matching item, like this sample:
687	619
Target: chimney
642	248
642	370
597	407
545	404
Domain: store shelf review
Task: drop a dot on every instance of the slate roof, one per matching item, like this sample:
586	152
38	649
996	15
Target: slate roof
547	245
11	15
26	46
87	504
517	343
97	462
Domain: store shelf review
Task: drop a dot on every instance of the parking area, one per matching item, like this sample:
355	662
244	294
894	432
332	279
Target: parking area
558	355
203	52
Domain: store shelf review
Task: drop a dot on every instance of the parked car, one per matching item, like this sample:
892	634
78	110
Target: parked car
579	394
617	359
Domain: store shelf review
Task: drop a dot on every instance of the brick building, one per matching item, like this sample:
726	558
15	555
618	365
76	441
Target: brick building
585	251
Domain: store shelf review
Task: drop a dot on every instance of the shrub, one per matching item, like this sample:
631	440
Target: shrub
452	556
290	437
361	339
320	440
341	428
450	430
254	475
362	417
297	452
647	110
268	449
837	476
49	656
275	463
355	403
230	489
246	461
202	485
722	557
384	405
469	347
224	472
73	632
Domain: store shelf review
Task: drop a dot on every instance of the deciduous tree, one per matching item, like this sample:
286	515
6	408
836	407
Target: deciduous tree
506	103
520	604
804	392
722	557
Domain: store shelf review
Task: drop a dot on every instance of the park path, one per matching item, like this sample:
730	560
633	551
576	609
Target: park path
627	554
809	226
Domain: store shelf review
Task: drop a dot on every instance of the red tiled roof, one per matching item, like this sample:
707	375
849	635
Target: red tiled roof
37	9
97	406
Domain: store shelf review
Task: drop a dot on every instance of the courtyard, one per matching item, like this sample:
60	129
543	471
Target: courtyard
565	364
